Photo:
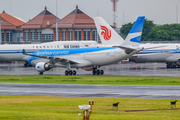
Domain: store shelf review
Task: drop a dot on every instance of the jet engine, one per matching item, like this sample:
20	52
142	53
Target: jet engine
42	66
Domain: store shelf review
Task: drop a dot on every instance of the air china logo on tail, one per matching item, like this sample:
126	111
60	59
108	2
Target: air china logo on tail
106	32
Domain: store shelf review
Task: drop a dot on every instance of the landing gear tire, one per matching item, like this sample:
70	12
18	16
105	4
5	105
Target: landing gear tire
74	72
27	65
66	72
173	65
94	72
102	72
40	73
70	72
98	72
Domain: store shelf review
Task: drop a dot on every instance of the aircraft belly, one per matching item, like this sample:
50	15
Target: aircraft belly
150	58
11	57
173	58
103	59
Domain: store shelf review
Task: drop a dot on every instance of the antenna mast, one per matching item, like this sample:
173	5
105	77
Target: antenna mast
114	12
0	32
56	23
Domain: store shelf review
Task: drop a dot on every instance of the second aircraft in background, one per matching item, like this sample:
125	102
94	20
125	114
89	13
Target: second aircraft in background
167	53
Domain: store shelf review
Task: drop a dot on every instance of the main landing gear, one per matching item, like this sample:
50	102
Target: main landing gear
40	73
97	72
27	64
70	72
173	65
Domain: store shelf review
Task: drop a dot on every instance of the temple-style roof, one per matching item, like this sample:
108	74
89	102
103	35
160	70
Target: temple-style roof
10	22
43	20
76	19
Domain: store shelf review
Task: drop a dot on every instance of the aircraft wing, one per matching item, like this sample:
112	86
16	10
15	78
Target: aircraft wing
53	59
155	47
130	48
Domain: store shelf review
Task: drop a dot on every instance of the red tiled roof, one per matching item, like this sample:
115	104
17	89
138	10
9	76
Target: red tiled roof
76	19
10	22
42	20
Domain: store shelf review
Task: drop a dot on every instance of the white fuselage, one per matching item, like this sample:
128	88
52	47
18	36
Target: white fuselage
89	59
14	52
168	53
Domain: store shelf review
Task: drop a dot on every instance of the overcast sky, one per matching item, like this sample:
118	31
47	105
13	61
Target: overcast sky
160	11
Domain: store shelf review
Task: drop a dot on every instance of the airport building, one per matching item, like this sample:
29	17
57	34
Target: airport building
11	31
76	26
39	29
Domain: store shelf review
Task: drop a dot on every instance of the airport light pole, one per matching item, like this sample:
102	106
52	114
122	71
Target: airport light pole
0	32
56	23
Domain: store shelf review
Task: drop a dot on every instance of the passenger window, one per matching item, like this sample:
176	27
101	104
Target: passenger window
47	46
36	46
39	46
57	46
44	46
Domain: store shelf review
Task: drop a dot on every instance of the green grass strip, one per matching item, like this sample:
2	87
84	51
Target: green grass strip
93	80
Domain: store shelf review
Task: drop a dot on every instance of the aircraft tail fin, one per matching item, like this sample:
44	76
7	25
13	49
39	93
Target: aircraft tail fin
106	33
134	36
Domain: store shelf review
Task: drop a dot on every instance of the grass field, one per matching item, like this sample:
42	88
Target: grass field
105	80
66	108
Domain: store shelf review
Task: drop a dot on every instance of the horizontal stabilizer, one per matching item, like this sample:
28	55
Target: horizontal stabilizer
129	49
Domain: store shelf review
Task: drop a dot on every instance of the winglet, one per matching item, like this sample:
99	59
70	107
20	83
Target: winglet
176	49
23	51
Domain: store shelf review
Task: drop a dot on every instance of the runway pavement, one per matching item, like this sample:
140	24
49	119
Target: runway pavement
104	91
128	69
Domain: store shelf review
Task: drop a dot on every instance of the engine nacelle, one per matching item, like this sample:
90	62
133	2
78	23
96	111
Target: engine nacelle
42	66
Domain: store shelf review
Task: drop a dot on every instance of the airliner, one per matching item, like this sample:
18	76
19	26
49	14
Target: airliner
14	52
44	60
168	53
